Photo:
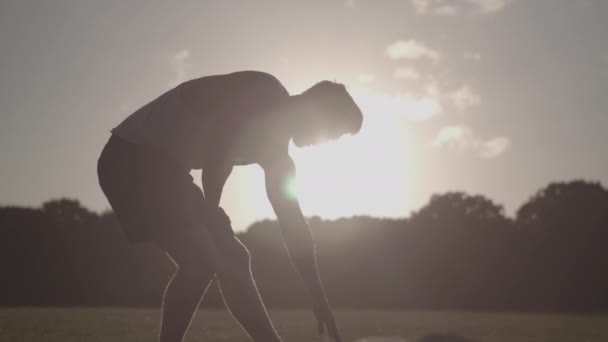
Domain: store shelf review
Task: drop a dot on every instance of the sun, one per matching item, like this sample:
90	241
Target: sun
355	175
369	173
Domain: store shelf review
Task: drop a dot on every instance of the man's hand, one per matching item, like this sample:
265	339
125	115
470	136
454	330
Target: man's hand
326	320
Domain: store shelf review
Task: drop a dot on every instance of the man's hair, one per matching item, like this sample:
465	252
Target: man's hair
344	110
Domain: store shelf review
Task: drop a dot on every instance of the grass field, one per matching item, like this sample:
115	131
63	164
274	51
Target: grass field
139	325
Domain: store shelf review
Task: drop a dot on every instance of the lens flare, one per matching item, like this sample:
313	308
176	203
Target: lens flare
290	188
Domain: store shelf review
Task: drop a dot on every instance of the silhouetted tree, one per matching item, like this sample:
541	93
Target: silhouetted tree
566	225
459	251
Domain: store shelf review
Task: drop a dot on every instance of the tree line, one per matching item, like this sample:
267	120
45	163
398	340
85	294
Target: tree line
459	251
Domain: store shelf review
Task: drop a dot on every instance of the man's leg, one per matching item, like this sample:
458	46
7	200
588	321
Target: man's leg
240	292
198	258
185	289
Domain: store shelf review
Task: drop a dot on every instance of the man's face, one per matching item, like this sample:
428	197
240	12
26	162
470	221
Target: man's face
308	137
316	132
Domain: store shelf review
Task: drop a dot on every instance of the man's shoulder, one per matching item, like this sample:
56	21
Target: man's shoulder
254	75
244	76
257	85
258	79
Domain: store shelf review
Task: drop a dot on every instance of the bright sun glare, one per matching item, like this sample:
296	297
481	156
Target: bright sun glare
361	174
369	173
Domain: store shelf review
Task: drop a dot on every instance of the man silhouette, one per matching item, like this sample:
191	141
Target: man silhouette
214	123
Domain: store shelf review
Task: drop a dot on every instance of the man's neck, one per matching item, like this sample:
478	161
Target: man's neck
295	108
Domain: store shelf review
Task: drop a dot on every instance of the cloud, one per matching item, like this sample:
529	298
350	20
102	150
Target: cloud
409	106
181	65
405	106
411	49
446	10
432	89
455	7
365	78
407	73
489	6
461	138
464	98
494	147
472	56
421	6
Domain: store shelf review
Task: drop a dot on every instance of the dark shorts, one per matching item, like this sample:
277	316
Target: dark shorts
152	196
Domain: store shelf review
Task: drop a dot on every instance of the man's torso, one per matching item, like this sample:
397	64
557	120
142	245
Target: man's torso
233	119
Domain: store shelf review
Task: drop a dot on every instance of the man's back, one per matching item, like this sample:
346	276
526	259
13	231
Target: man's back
202	114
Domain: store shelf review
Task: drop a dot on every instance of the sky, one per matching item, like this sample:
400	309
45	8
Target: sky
492	97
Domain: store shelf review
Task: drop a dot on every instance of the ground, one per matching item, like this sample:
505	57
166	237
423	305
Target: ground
139	325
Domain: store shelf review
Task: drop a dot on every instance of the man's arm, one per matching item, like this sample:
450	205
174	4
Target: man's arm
213	180
298	237
233	267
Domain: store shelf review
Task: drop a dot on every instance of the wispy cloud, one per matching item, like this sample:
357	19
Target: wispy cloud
464	98
446	10
459	137
404	105
472	56
422	6
432	89
462	138
494	147
407	73
455	7
181	65
413	50
365	78
489	6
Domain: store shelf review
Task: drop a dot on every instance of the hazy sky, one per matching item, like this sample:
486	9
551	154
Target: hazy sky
494	97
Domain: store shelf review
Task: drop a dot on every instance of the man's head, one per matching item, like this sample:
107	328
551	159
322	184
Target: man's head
325	112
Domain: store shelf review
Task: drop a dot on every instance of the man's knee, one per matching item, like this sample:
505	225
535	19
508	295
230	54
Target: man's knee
195	274
193	264
235	258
